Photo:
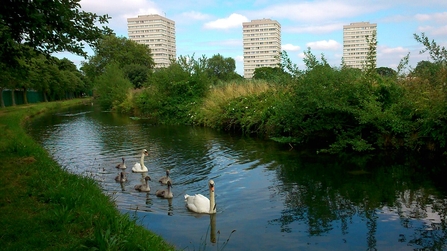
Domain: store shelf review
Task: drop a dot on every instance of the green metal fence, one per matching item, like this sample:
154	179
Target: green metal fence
32	97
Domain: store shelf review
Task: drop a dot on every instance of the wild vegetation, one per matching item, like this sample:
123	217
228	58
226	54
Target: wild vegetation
330	109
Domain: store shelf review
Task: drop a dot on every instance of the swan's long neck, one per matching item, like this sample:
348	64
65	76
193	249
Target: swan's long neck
212	202
142	160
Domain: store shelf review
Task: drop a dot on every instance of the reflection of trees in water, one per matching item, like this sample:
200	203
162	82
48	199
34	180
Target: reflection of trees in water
430	239
310	203
324	193
422	205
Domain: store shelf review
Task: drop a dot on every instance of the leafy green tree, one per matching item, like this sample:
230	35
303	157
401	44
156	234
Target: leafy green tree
271	74
196	68
28	28
266	73
112	87
137	74
8	80
435	72
371	56
428	71
310	60
287	66
125	53
40	75
47	27
386	72
75	82
65	64
221	68
436	52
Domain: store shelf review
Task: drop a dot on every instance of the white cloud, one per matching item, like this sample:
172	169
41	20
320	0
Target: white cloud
239	59
440	31
388	50
440	17
432	22
233	21
315	11
324	45
290	47
121	8
422	17
437	31
390	56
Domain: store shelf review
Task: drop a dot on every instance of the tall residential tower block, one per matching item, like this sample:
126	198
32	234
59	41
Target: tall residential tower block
355	45
262	45
158	33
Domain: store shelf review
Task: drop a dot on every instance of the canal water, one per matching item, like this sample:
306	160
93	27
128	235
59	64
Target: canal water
269	196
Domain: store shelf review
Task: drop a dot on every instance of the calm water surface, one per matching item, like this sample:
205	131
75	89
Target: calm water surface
268	196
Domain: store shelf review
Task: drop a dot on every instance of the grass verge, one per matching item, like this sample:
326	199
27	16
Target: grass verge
44	207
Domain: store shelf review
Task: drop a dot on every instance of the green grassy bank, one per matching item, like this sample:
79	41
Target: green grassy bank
45	208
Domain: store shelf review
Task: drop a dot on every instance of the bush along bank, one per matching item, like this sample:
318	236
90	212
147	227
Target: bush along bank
325	108
328	109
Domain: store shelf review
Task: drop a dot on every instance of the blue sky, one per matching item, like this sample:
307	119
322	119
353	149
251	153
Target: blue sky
208	27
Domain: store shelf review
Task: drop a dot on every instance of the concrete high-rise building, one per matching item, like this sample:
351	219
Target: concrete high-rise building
355	45
158	33
262	45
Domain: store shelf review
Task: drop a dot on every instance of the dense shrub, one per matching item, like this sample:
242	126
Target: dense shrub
171	94
333	109
112	87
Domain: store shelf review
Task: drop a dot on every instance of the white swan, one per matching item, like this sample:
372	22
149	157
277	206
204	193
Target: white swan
121	177
165	179
201	204
140	167
144	187
165	193
121	165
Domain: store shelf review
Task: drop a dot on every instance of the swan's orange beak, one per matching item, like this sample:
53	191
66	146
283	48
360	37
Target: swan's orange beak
212	188
146	153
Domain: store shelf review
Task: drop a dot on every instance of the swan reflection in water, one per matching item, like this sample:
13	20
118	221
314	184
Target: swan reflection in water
148	200
121	178
213	228
215	235
170	208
